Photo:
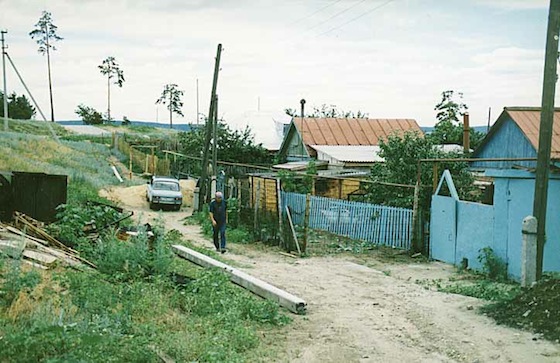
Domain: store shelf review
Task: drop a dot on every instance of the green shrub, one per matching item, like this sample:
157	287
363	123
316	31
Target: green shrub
238	235
137	258
493	266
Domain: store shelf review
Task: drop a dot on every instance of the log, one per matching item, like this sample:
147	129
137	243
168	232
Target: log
40	257
256	286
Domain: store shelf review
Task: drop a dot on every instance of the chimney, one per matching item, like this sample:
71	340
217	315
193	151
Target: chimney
302	108
466	133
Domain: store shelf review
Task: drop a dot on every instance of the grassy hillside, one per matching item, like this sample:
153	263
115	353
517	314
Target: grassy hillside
133	308
33	127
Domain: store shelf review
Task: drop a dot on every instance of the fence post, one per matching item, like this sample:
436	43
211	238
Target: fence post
529	251
279	207
415	212
306	222
130	163
256	205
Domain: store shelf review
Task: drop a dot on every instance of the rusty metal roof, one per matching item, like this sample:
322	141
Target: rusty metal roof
528	119
351	131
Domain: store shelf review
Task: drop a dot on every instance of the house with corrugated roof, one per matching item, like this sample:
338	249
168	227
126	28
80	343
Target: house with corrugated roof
459	230
345	142
515	134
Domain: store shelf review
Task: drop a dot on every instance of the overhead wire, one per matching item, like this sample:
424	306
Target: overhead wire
315	12
335	15
357	17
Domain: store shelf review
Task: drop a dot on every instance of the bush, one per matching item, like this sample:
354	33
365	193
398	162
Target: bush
89	115
493	266
135	259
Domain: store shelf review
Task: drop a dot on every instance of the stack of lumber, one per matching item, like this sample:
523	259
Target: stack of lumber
29	242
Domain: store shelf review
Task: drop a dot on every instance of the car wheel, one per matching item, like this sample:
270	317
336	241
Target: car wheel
152	205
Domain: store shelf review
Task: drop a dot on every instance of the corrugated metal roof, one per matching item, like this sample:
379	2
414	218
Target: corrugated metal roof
351	131
528	119
351	153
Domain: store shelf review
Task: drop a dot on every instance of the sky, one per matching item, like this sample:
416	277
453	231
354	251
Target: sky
389	59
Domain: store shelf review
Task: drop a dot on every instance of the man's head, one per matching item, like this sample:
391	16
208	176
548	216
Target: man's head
219	196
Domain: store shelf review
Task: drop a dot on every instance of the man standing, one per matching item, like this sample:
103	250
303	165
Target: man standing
218	217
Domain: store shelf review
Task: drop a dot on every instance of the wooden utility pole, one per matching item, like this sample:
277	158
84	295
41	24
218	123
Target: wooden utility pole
209	123
215	139
4	78
545	130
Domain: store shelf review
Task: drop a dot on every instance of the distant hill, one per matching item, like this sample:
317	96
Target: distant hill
179	127
429	129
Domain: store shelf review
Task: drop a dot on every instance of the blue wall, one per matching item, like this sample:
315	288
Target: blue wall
508	141
497	226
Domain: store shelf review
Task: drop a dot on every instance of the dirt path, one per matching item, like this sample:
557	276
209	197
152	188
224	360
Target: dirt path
361	314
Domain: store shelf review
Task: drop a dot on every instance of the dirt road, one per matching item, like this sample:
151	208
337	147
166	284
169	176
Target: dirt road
362	314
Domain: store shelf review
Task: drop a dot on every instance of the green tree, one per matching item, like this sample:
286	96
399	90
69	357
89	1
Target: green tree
449	128
401	156
19	107
171	96
45	34
110	68
89	115
237	146
327	111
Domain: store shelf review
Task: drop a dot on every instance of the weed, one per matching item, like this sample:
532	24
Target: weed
484	289
493	266
16	280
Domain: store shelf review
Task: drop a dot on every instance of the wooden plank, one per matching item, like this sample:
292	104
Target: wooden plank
20	233
256	286
40	257
293	229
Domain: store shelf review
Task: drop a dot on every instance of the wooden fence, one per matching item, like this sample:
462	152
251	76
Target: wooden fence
149	163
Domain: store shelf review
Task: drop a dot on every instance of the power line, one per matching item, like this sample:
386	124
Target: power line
315	12
357	17
335	15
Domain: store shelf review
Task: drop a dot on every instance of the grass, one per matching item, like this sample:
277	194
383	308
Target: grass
32	127
139	304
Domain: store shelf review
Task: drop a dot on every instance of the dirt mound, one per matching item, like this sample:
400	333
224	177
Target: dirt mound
536	309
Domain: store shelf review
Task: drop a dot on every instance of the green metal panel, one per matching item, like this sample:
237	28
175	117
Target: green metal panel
38	194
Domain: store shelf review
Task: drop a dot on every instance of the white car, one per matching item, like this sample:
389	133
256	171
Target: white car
164	191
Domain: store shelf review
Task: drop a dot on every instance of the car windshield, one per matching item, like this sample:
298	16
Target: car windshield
166	186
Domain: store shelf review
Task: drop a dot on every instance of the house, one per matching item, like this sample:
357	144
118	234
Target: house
307	136
515	134
460	229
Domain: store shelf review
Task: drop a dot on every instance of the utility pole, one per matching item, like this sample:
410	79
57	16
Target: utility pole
545	130
209	123
2	32
215	138
197	112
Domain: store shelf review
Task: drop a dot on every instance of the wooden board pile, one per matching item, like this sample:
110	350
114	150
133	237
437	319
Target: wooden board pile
27	240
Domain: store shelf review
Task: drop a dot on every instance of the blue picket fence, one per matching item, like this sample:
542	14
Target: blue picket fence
388	226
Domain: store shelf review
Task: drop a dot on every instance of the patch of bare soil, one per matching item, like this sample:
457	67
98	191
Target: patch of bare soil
363	310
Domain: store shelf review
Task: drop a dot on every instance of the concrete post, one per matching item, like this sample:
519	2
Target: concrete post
529	251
